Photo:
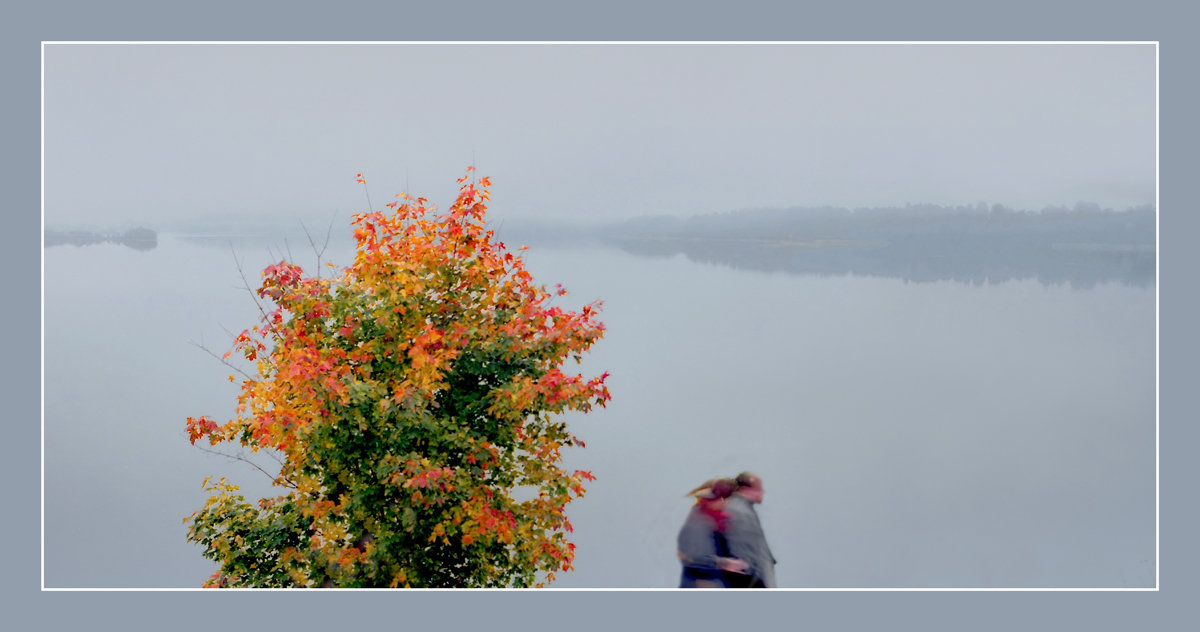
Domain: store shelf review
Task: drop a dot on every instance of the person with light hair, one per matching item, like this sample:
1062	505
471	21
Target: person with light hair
702	547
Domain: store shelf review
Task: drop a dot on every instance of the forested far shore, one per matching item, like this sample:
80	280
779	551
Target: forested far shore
136	238
1081	246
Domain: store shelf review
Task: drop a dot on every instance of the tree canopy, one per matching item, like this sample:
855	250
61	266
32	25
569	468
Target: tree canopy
414	403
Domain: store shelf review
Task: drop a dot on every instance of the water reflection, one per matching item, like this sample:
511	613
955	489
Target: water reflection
1081	247
914	435
1080	266
993	429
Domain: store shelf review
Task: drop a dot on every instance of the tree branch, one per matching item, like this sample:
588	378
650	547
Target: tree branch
319	252
288	247
237	457
246	285
200	346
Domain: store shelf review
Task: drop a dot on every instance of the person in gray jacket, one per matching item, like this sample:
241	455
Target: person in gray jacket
745	536
701	541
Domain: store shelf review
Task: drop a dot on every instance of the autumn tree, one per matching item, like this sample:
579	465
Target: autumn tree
413	401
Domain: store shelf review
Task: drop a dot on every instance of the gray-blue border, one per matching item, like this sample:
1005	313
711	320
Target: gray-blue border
26	24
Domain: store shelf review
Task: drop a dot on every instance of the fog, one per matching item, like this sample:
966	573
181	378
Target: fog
159	132
815	262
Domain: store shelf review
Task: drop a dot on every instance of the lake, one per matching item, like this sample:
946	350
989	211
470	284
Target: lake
932	433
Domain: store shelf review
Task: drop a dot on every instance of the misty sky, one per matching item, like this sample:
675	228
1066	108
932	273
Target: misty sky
155	132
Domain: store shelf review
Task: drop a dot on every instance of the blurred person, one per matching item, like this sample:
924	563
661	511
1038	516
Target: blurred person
703	549
744	535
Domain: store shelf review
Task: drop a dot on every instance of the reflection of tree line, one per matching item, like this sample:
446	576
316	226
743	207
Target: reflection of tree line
967	261
1079	247
137	238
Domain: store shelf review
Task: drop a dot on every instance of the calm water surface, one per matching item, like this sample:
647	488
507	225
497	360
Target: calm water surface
936	434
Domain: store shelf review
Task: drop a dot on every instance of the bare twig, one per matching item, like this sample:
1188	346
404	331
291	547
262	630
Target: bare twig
242	272
313	246
273	457
319	252
364	183
200	346
238	457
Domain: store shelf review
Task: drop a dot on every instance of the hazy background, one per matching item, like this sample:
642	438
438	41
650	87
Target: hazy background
155	132
975	427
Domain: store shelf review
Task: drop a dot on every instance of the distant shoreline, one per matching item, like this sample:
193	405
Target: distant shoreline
137	238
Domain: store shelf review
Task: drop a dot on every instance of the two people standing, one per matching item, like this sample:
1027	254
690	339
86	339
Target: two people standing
721	543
